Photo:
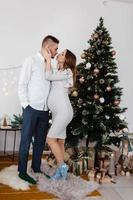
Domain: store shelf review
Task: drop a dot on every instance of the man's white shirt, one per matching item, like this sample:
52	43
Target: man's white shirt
33	88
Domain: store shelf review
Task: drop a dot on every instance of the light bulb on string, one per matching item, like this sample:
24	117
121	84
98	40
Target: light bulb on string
5	83
8	79
6	93
3	89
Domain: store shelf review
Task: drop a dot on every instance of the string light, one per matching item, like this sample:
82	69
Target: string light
8	79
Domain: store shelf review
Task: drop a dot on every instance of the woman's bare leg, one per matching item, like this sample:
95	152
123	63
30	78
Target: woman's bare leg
56	149
61	143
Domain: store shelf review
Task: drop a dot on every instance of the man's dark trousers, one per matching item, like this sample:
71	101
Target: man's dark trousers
35	123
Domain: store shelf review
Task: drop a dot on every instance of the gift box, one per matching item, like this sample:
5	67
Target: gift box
81	159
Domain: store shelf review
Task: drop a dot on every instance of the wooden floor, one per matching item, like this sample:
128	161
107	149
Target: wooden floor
7	193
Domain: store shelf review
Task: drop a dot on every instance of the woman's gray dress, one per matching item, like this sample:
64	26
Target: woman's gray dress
59	103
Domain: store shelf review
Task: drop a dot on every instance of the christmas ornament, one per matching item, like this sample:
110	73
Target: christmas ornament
116	102
83	55
88	65
110	80
96	71
98	41
98	52
95	35
96	96
89	77
100	66
101	81
128	174
122	173
77	131
89	88
84	112
79	105
108	88
80	101
107	117
116	97
97	112
84	121
81	80
50	121
92	49
113	53
75	94
101	100
122	117
125	130
84	104
100	32
105	42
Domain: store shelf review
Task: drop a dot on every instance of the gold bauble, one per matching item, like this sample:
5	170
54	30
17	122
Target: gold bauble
96	35
83	55
75	94
96	96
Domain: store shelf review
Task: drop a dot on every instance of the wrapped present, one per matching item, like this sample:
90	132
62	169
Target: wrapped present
81	159
77	167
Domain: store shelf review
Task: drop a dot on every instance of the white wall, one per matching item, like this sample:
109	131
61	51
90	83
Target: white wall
23	24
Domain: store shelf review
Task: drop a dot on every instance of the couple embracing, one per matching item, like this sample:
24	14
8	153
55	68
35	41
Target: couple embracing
42	89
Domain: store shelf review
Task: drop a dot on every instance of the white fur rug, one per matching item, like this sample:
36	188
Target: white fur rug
73	188
9	176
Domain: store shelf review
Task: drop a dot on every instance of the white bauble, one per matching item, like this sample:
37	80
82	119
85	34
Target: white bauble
128	174
107	117
101	100
125	130
88	65
122	117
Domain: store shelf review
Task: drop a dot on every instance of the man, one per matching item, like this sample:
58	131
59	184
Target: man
33	90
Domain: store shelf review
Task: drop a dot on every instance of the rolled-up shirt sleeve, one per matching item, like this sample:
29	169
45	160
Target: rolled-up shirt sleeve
60	75
24	78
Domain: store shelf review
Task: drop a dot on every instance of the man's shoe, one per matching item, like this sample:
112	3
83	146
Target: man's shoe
40	172
27	178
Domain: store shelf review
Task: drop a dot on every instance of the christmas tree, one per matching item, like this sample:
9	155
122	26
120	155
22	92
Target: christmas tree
96	96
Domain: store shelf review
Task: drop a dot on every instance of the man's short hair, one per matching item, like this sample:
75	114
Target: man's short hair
50	37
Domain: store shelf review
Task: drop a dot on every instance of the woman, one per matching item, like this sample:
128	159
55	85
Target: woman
60	106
